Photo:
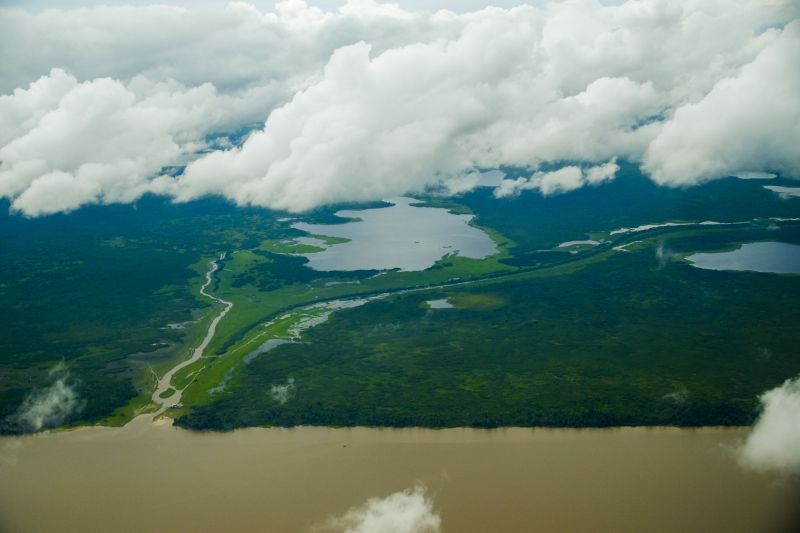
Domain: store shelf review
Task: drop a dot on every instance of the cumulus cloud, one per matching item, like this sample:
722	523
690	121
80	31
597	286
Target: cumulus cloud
784	192
558	181
231	46
755	175
602	173
48	407
67	143
371	101
409	118
774	442
747	124
408	511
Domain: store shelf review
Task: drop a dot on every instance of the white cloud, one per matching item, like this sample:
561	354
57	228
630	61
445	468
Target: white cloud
408	511
784	192
747	124
48	407
602	173
371	100
382	126
560	181
755	175
774	442
67	143
231	45
512	187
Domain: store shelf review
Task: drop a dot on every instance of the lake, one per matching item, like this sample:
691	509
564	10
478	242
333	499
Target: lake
441	303
773	257
401	236
153	477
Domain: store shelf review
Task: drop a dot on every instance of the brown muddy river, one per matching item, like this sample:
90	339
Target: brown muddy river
157	478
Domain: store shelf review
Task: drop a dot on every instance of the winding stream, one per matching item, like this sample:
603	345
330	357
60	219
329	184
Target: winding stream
166	380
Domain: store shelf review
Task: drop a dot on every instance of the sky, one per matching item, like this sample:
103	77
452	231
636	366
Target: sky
362	100
458	6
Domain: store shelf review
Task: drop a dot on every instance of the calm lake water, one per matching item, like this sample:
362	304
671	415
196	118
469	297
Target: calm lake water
775	257
441	303
147	477
401	236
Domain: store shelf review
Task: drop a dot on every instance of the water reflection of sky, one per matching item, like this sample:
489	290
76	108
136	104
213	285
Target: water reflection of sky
439	304
401	236
775	257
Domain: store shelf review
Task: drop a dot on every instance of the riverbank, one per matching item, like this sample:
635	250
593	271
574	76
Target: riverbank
153	477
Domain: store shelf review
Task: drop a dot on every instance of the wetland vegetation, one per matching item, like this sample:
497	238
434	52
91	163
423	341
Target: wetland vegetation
570	323
623	340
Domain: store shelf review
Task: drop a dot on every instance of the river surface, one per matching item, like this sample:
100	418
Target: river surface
401	236
773	257
154	477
